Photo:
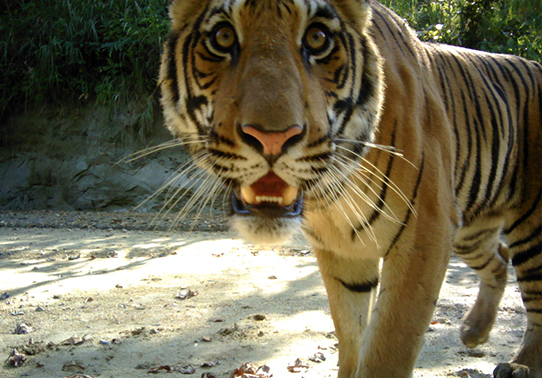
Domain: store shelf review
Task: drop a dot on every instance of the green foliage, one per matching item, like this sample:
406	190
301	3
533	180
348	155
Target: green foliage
504	26
55	51
62	51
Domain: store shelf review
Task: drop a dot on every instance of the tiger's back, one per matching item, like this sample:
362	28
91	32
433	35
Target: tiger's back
390	153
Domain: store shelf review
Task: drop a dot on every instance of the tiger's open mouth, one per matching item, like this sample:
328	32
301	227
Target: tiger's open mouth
269	197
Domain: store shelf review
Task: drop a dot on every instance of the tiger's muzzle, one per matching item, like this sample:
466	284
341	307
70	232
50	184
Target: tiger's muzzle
270	196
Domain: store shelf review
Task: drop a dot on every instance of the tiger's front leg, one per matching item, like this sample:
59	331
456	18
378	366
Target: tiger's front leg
351	287
384	342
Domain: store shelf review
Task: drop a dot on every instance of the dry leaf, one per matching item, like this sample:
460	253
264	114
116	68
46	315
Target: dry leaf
298	367
248	370
157	369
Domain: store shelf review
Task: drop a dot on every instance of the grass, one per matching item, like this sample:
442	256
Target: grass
69	51
503	26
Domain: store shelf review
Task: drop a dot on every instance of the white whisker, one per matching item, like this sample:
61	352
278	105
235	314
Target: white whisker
381	176
362	176
154	149
354	207
389	149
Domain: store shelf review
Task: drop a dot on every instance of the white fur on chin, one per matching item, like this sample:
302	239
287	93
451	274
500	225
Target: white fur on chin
266	231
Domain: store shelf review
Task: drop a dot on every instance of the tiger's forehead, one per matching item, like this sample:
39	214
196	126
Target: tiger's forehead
283	11
288	6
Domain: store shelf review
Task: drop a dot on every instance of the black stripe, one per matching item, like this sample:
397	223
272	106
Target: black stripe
315	157
360	287
214	136
449	97
322	140
531	295
222	154
481	233
367	89
530	277
409	212
484	265
465	166
521	258
310	232
382	196
524	217
397	38
461	250
172	64
535	234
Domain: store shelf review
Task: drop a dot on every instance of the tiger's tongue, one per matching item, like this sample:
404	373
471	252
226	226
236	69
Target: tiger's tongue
269	189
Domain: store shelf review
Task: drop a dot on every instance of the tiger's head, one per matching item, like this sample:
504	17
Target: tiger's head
279	99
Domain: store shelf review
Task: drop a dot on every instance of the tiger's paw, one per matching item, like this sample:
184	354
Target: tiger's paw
480	319
512	370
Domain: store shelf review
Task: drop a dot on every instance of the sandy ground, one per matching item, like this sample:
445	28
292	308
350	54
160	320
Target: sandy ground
103	301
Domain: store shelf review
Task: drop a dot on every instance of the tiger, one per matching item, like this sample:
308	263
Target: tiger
332	118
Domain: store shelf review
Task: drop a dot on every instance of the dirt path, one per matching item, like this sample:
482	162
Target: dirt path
104	302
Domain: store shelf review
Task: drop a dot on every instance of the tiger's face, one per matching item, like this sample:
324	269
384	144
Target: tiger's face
278	99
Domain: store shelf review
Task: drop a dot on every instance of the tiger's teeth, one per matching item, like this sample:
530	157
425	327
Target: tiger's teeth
289	195
248	195
260	199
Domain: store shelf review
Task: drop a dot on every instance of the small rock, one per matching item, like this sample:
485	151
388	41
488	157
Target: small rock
186	293
189	369
476	353
317	357
4	296
259	317
74	340
16	359
23	329
73	367
138	331
210	364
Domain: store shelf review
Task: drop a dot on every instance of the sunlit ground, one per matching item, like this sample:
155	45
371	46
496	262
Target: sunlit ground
120	292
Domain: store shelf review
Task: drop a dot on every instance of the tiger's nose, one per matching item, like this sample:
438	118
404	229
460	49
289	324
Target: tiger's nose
272	142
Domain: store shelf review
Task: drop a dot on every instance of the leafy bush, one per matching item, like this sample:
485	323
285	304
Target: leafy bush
504	26
54	51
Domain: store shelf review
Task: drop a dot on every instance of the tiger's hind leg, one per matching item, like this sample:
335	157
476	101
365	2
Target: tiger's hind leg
525	243
480	247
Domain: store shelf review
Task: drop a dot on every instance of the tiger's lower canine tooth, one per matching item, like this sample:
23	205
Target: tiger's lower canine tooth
248	195
289	195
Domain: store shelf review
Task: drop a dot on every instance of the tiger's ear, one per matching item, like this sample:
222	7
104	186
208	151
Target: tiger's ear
182	12
355	12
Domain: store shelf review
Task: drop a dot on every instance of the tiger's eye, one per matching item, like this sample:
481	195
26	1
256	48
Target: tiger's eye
225	37
316	39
